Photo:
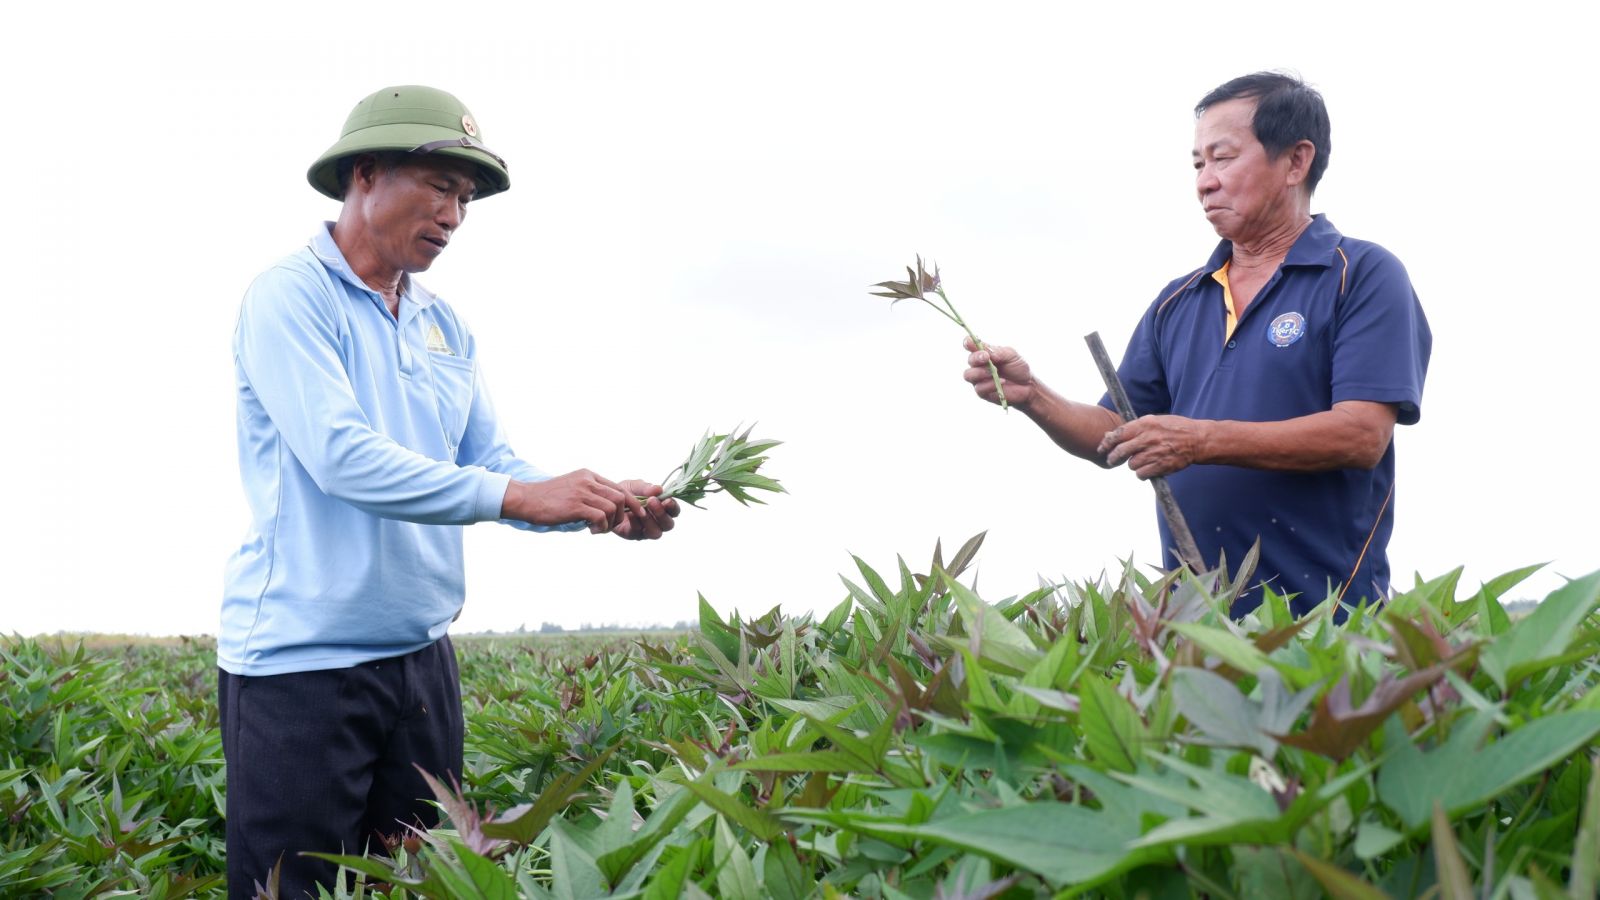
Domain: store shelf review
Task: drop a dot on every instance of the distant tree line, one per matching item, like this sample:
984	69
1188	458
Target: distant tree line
591	628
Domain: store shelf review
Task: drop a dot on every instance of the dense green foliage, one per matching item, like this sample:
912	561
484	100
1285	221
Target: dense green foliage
1120	738
110	771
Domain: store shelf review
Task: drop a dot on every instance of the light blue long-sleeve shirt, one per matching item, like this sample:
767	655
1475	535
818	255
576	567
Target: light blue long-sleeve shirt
365	441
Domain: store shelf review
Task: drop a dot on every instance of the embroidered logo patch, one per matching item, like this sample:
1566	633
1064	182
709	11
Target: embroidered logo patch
436	342
1286	329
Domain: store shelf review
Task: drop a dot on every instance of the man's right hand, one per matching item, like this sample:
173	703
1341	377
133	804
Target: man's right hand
1015	376
575	496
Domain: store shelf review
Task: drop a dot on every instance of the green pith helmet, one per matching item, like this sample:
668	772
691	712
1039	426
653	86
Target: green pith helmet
413	119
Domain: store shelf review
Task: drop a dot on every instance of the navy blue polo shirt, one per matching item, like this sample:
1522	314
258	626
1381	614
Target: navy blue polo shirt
1338	321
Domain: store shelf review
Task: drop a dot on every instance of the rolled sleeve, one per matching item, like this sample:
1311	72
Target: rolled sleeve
492	495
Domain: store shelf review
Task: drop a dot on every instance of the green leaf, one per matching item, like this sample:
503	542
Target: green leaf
1429	598
738	673
820	708
880	590
372	868
728	461
1491	616
961	751
616	865
488	880
668	882
1060	701
1225	645
782	876
965	554
1066	844
1272	872
836	618
1212	704
576	874
812	761
1373	839
758	822
718	632
1461	775
999	640
616	829
847	743
736	877
523	824
1540	639
1585	881
1111	726
1232	809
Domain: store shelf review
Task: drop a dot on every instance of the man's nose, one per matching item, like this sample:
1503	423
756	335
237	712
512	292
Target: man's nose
450	215
1205	179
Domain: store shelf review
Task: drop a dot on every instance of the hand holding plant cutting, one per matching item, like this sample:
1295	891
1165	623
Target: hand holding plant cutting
654	518
916	287
1016	376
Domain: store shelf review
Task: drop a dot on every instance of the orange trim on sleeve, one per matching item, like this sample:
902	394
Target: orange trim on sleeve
1181	289
1375	523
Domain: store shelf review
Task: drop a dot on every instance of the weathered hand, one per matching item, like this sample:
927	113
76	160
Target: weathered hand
1153	445
580	495
656	517
1015	376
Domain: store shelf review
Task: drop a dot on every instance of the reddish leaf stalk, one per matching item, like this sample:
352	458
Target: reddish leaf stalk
917	285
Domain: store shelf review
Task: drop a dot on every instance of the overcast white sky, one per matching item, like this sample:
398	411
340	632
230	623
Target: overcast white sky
702	194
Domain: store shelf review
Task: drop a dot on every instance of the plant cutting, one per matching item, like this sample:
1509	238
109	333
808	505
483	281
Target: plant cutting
918	284
722	463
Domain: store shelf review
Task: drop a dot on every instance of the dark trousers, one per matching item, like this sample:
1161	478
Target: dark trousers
326	762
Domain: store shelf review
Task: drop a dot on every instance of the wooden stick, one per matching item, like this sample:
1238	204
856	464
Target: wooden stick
1187	549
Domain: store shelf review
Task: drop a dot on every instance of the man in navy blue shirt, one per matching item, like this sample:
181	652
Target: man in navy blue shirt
1268	381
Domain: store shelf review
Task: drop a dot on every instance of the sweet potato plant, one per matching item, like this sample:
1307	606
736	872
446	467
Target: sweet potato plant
1120	737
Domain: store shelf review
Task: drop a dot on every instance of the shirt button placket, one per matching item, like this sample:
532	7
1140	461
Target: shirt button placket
404	346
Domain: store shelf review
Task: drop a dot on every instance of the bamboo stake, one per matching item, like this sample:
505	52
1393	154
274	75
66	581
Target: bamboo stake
1188	551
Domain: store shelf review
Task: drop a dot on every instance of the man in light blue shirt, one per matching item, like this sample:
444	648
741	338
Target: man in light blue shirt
366	439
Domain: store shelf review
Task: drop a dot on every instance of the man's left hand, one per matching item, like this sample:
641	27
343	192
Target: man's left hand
1153	445
658	516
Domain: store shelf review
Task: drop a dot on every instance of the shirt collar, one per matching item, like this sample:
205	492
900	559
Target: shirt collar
328	253
1314	246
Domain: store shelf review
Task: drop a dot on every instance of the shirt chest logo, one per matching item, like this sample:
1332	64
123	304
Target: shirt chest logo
436	342
1286	329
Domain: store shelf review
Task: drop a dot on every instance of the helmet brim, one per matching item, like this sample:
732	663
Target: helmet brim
324	173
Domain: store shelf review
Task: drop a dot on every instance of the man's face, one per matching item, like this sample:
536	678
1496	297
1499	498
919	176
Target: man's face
1243	192
412	210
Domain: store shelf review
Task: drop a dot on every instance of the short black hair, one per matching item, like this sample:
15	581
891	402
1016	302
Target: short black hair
1288	111
344	169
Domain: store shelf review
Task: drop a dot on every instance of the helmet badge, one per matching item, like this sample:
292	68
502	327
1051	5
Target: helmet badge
469	126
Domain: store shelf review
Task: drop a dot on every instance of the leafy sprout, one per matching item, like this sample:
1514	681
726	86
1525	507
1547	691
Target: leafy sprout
722	463
917	286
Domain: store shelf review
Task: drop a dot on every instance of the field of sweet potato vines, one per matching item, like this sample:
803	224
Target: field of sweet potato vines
1112	738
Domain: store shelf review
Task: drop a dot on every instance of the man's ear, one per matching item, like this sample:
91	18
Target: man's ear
1301	155
364	170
